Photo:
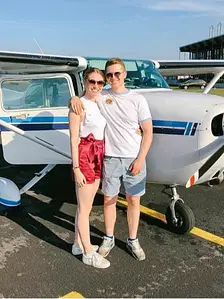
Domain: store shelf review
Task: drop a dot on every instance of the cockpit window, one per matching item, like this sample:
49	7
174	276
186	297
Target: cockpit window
140	73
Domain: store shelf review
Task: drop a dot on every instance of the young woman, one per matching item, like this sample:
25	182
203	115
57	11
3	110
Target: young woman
87	148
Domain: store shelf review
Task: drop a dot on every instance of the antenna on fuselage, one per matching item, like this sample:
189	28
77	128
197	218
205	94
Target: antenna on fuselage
42	52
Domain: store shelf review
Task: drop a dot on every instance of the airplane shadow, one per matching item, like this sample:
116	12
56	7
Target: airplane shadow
31	221
33	212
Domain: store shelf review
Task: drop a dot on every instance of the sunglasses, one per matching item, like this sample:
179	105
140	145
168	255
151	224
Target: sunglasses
111	75
93	82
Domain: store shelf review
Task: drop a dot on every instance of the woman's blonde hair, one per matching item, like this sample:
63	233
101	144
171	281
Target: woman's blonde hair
93	70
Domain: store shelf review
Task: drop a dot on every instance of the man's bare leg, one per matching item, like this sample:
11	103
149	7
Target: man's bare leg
110	219
110	214
133	214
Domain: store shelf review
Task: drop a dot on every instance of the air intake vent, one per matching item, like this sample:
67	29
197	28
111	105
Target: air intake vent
217	125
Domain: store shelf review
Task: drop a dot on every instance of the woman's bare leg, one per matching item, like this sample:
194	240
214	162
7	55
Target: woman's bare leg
85	196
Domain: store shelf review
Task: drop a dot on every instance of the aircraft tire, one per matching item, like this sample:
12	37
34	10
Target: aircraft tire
185	217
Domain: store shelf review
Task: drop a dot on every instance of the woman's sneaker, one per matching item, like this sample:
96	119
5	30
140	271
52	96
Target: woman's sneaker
96	260
136	250
106	246
77	250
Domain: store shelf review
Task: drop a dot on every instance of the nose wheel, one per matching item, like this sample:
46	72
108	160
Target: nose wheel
179	217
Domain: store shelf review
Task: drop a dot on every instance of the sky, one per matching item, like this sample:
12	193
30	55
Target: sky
106	28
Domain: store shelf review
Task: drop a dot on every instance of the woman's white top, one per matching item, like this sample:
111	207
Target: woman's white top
94	122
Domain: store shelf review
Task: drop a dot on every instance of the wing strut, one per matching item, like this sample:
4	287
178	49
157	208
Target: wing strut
37	178
212	82
48	168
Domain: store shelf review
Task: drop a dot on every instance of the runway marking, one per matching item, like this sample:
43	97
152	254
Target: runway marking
196	231
208	236
73	295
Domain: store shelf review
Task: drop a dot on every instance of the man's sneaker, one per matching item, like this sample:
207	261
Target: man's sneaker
106	246
77	250
136	250
96	260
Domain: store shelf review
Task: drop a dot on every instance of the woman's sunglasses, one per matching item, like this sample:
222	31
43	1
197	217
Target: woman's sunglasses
93	82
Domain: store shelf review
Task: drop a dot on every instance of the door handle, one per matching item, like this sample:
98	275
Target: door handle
21	116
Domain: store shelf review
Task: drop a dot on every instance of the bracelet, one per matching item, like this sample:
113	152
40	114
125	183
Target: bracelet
75	167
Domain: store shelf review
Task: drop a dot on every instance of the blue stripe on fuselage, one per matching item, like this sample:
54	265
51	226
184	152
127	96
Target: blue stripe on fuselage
189	128
171	124
47	123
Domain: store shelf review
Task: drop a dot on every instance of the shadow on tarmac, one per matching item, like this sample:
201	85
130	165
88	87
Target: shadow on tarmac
59	189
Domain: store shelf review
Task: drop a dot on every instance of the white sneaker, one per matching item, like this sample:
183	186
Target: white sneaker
136	250
77	250
106	246
96	260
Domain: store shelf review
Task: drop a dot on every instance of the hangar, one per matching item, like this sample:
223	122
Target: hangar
211	48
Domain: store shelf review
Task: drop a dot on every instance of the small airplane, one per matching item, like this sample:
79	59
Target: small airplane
188	143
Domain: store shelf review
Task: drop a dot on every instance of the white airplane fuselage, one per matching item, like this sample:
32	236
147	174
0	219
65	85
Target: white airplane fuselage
185	124
182	138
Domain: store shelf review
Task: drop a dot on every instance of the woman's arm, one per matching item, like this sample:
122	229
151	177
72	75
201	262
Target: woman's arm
74	125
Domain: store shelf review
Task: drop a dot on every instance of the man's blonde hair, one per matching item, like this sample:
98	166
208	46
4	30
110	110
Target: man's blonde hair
114	60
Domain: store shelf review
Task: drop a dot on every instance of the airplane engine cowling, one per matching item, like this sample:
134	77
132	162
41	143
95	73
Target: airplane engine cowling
188	129
211	144
9	193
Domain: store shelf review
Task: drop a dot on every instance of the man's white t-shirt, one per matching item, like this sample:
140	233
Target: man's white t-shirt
123	113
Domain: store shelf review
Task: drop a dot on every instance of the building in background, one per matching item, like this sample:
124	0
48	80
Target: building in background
211	48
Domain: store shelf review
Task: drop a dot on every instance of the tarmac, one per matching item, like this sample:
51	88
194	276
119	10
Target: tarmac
36	240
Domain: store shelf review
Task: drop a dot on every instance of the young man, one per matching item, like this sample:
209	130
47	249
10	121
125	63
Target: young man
125	153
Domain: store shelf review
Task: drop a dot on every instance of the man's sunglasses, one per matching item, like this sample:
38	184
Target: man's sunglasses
111	75
93	82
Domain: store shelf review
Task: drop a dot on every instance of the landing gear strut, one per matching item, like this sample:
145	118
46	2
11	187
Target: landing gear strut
180	218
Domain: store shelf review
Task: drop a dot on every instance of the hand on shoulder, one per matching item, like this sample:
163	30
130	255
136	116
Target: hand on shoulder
76	105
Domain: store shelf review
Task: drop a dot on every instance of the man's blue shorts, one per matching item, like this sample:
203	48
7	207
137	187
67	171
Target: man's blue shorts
115	171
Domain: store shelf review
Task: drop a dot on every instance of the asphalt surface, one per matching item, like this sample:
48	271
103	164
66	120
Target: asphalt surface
36	239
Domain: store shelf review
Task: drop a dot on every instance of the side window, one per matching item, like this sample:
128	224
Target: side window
35	93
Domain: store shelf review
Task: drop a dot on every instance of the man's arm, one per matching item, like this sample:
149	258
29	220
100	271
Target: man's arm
76	105
147	135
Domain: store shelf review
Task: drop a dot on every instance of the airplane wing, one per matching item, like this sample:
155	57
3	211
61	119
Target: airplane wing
190	67
30	63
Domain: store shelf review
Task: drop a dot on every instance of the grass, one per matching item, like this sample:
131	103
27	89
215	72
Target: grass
215	91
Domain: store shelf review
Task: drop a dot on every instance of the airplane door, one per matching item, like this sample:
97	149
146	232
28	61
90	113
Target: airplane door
37	104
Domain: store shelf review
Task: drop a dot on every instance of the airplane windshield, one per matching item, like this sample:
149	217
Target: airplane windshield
140	73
